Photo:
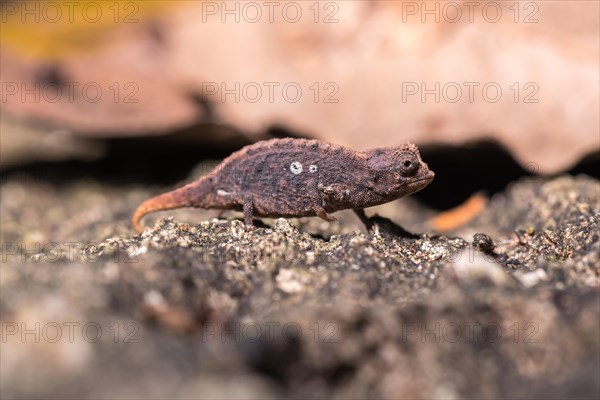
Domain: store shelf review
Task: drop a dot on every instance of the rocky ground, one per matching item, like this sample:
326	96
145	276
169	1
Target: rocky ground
505	306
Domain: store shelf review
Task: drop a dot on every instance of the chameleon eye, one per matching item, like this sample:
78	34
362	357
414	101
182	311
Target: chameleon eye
409	164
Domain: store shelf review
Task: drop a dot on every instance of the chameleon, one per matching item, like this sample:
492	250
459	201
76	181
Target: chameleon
299	178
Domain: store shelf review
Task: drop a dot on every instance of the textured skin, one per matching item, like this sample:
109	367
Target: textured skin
298	177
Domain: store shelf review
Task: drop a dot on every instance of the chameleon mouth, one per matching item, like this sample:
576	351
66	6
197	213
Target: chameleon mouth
429	177
421	183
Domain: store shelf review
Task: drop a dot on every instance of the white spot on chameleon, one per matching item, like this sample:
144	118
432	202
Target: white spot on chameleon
312	168
221	192
296	168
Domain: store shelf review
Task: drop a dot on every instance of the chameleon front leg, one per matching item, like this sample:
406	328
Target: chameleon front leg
335	193
321	213
331	195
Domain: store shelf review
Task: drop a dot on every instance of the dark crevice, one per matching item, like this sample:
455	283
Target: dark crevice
50	75
159	160
204	106
484	167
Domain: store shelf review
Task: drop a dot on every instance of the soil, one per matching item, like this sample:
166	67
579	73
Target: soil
506	306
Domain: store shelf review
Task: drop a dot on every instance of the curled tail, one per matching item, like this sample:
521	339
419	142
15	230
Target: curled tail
178	198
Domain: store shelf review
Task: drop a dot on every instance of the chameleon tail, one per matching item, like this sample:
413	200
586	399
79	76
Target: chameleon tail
177	198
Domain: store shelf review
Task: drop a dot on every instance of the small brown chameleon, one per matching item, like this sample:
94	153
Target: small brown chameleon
297	178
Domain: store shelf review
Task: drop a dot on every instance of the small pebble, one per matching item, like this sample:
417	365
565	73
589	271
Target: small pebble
483	242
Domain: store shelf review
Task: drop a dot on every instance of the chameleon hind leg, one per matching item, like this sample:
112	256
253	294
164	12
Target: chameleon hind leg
248	209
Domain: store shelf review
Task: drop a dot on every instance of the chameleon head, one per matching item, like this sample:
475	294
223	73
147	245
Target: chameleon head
413	173
401	169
